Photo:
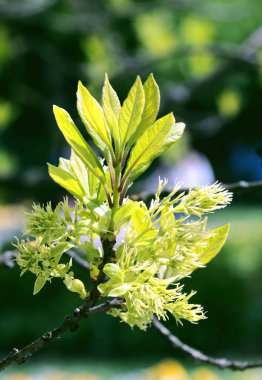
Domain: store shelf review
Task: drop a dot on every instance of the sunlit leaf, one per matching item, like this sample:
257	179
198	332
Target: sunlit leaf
111	108
113	271
124	214
131	112
150	111
149	146
64	179
92	116
214	245
175	133
77	142
120	290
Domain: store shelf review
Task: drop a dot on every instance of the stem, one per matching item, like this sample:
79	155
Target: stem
109	200
112	176
116	192
116	196
123	193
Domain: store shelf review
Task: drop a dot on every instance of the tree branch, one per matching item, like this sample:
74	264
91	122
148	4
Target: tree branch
222	363
240	186
71	323
7	259
236	187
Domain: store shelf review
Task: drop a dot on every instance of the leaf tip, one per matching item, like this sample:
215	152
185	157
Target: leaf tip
55	108
80	87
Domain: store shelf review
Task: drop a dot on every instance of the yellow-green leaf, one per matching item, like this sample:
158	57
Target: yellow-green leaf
64	179
39	283
113	271
174	135
123	214
111	107
75	285
205	253
92	116
120	291
80	172
77	142
150	111
148	146
131	112
214	244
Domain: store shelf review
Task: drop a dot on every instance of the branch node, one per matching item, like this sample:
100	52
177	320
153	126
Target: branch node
47	336
14	351
77	312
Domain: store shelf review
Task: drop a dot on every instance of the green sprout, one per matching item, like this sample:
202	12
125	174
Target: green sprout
136	253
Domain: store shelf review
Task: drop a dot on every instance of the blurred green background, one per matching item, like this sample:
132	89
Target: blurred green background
207	59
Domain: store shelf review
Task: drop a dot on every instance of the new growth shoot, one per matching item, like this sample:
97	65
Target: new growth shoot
160	245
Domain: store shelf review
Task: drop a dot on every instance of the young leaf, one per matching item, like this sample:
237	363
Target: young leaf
65	164
207	252
80	172
111	108
120	291
113	271
131	112
39	283
215	243
174	135
92	116
59	249
75	285
64	179
77	142
123	214
150	111
148	147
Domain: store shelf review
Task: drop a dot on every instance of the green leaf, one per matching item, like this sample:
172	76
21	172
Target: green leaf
64	179
148	147
124	213
111	107
59	249
150	111
75	285
113	271
120	291
214	245
93	118
39	283
205	253
65	164
175	134
87	182
81	174
77	142
131	112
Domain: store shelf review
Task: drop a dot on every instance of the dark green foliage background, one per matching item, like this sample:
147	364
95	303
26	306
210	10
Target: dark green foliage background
44	49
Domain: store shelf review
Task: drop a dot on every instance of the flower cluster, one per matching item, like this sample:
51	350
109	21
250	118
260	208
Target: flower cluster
161	245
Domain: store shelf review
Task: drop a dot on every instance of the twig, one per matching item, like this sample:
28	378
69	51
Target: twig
71	323
241	186
7	259
236	187
222	363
